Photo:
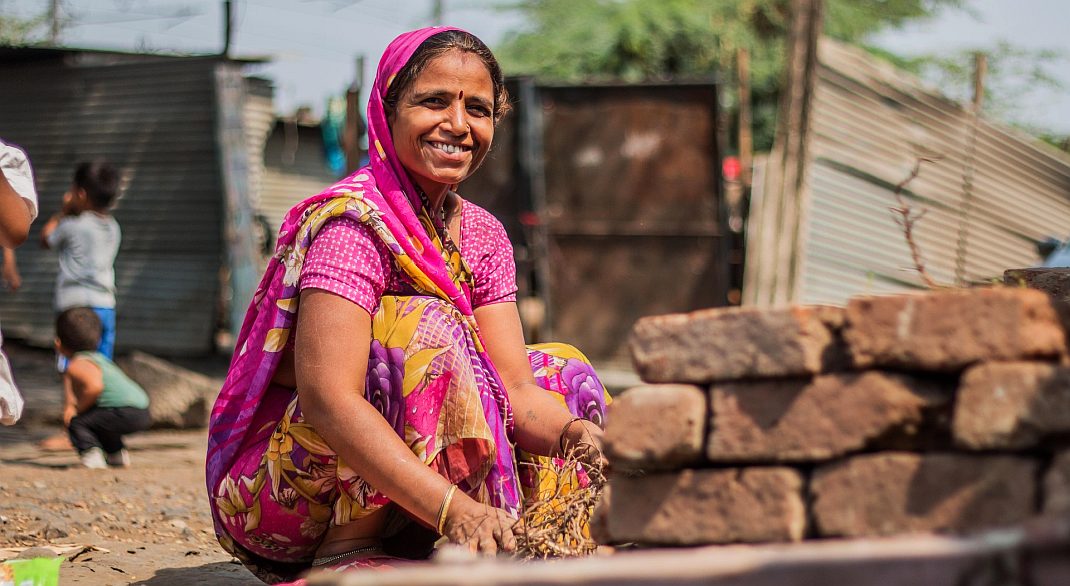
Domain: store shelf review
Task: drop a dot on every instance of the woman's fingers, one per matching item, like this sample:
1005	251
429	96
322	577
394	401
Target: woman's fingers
507	540
482	529
487	545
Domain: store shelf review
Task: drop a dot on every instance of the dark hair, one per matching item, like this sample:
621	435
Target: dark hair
79	329
437	45
99	180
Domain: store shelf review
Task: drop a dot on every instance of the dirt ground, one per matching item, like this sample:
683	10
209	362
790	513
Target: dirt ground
151	520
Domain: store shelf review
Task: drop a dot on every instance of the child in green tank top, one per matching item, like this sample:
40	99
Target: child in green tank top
103	404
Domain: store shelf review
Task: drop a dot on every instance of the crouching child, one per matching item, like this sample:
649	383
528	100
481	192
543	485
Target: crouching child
103	404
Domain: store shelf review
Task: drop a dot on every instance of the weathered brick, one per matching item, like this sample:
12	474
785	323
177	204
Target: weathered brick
656	427
1057	485
1053	281
794	420
693	507
1003	405
736	343
900	492
949	330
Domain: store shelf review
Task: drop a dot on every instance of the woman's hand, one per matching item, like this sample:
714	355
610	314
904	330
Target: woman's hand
584	440
482	528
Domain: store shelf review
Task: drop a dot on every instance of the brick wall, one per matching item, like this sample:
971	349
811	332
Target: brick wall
943	411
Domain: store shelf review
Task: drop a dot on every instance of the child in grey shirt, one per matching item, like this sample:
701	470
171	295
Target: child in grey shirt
86	236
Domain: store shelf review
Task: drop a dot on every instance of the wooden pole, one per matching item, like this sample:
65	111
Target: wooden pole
53	20
437	12
746	138
793	126
228	23
980	70
355	127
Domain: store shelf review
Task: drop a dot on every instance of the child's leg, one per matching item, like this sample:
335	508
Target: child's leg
121	421
107	333
104	427
83	430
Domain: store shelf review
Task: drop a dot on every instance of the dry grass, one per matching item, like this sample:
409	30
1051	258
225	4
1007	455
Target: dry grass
556	524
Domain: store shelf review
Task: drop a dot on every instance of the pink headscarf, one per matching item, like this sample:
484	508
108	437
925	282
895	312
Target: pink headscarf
385	192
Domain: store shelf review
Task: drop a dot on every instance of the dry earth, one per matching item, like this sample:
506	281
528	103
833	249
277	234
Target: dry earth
152	518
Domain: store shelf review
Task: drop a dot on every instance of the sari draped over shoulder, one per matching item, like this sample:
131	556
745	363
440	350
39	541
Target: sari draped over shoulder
274	485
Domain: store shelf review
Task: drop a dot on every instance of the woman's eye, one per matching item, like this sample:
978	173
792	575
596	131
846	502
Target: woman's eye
434	102
480	111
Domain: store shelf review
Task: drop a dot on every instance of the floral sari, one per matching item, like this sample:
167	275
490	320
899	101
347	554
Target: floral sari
274	485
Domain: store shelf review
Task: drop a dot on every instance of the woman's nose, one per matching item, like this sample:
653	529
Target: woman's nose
457	122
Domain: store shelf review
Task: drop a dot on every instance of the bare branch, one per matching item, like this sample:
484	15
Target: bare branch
907	218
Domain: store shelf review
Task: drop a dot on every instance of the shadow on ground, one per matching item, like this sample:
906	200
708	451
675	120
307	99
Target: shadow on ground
215	573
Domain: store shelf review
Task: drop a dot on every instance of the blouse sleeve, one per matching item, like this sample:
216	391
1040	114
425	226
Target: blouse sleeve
344	259
495	268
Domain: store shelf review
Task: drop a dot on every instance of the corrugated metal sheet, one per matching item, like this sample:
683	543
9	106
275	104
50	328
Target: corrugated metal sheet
633	208
869	124
295	167
156	121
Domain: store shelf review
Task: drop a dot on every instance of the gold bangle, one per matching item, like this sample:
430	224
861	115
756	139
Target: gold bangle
444	507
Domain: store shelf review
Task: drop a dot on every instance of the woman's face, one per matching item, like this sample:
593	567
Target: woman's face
443	125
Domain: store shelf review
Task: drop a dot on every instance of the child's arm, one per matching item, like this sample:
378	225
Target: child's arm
70	404
68	209
87	382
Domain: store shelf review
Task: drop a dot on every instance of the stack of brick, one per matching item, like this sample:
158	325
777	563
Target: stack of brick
941	411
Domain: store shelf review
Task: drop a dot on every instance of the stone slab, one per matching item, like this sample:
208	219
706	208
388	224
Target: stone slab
656	427
736	343
179	397
901	492
806	420
914	560
693	507
948	330
1011	405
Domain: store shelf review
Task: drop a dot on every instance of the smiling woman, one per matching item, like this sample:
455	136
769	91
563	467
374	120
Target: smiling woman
370	408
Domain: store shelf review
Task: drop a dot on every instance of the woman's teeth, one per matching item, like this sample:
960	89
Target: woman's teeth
449	148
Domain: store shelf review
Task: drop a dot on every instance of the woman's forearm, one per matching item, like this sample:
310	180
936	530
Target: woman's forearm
369	445
541	420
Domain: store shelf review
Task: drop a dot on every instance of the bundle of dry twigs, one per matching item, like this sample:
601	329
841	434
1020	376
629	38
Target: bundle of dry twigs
555	522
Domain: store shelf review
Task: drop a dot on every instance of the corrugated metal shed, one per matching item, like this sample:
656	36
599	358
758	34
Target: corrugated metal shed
295	167
155	118
869	123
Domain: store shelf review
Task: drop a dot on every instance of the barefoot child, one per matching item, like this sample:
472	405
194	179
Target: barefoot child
104	404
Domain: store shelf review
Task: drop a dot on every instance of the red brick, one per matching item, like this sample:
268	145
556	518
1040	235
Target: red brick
795	420
694	507
1010	405
1057	485
736	343
949	330
656	427
900	492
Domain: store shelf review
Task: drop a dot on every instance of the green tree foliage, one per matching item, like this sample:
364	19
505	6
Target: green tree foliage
19	31
637	40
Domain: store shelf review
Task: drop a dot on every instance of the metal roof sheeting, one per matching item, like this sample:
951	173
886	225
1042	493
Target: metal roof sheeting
156	121
869	123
